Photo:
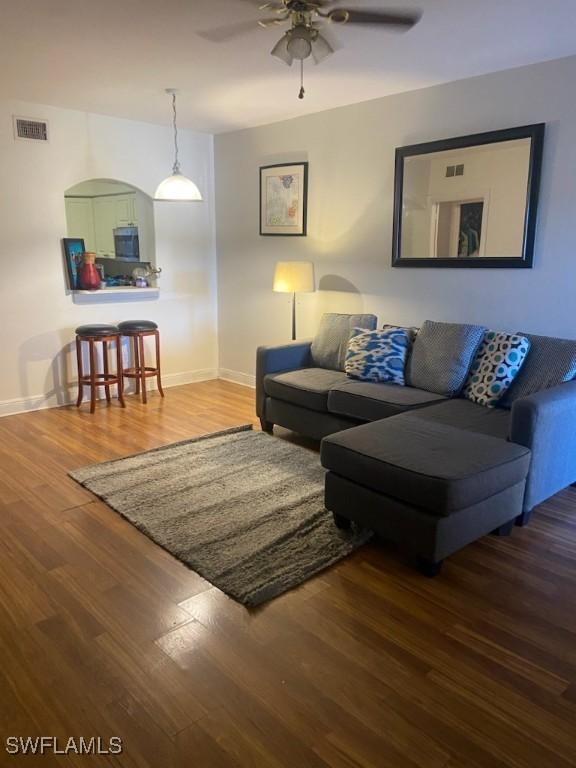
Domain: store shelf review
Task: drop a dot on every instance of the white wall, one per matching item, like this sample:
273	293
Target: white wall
351	155
37	314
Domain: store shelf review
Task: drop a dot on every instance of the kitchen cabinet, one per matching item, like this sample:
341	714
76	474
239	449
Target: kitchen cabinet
126	210
80	220
105	222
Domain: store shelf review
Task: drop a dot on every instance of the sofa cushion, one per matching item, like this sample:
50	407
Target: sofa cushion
496	365
368	401
431	466
378	355
331	342
307	387
550	362
442	355
411	330
461	413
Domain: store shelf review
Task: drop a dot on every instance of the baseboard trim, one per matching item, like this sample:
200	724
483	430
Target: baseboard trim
246	379
188	377
68	396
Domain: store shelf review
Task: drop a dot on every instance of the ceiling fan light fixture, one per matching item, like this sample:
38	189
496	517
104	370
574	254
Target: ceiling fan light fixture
280	50
321	48
300	43
339	16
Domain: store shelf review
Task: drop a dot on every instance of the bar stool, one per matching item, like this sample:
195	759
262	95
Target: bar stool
104	334
137	330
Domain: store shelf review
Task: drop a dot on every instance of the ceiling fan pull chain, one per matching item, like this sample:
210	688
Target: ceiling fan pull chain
302	91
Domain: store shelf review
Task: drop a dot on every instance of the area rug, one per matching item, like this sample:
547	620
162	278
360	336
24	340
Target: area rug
242	508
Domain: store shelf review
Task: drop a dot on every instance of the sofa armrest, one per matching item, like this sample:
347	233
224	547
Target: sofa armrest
545	422
286	357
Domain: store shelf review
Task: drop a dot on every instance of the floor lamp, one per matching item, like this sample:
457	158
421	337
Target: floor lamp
293	277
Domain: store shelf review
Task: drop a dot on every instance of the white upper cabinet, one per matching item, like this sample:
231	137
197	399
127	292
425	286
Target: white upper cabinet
105	222
80	220
126	210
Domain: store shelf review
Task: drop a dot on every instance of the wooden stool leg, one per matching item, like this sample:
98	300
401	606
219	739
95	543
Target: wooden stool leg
142	367
92	376
158	377
120	371
80	372
136	364
106	369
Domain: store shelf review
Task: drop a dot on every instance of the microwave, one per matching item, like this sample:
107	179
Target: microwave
126	243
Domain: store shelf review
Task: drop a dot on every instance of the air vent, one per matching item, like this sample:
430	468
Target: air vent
32	130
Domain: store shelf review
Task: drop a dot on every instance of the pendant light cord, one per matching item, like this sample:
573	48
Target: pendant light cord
176	168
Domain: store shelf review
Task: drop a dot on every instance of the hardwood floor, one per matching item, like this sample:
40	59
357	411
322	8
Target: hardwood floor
102	633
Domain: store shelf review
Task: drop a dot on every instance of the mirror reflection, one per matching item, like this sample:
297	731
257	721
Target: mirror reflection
466	203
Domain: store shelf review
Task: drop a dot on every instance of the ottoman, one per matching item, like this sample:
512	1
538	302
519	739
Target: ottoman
428	487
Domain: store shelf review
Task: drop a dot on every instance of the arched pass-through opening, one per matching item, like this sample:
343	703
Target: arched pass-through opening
114	220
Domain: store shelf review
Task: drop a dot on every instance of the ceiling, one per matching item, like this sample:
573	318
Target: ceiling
115	57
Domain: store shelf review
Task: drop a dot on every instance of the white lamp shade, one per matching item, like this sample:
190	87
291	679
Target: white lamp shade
294	277
178	188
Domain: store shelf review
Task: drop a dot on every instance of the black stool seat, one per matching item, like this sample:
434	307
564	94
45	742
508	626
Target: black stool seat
98	329
134	326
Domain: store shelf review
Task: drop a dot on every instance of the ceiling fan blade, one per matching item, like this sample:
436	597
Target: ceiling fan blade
262	4
230	31
400	19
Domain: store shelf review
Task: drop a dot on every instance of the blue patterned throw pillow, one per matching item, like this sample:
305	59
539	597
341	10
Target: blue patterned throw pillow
495	367
377	355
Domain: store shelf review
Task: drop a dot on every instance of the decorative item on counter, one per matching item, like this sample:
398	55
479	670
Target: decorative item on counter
118	281
74	249
140	275
89	275
143	275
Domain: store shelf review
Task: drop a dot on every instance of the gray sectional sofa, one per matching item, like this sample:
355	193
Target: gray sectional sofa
430	472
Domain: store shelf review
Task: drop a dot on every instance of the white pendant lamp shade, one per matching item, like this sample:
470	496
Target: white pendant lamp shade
177	188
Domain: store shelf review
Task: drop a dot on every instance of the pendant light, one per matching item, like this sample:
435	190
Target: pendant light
177	188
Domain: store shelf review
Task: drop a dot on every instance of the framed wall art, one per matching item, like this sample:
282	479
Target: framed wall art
283	199
74	249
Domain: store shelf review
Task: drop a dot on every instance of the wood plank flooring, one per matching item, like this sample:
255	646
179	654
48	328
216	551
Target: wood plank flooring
102	633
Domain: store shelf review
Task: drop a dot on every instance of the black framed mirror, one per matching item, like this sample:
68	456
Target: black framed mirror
469	201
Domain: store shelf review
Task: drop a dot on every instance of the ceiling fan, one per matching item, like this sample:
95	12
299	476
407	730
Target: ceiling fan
306	18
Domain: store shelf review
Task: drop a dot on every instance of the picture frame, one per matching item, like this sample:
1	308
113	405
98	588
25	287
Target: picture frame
452	207
74	249
284	199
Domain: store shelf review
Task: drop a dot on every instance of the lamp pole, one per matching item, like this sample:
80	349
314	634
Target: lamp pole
294	316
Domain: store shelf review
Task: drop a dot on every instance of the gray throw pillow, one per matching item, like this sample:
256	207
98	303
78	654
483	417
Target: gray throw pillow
331	342
411	330
442	355
550	362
